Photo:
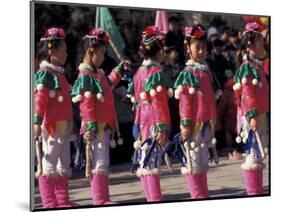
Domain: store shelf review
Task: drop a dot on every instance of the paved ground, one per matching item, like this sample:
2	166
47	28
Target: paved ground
224	180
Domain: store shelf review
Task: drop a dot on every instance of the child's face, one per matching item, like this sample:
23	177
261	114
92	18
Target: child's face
59	55
98	56
257	49
198	50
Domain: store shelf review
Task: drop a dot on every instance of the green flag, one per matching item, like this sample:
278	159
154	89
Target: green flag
105	21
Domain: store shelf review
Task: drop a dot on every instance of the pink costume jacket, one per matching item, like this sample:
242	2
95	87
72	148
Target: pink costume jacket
195	93
251	88
93	90
149	90
52	97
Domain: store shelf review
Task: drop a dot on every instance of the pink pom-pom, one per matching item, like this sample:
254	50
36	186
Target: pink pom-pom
52	93
180	88
143	95
255	81
260	84
100	97
60	98
170	92
191	90
244	80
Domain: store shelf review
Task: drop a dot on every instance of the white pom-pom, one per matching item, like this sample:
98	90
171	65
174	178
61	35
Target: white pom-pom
238	139
266	150
78	98
192	145
242	134
100	97
120	141
238	86
260	84
143	95
39	87
152	92
170	92
100	145
52	93
137	144
191	90
214	141
177	95
129	95
60	141
244	80
255	81
144	147
133	99
196	149
199	93
180	88
234	87
74	100
202	145
88	94
60	98
112	143
245	140
159	88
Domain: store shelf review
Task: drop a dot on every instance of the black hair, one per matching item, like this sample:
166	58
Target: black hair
43	47
173	19
249	38
233	33
218	42
85	45
150	50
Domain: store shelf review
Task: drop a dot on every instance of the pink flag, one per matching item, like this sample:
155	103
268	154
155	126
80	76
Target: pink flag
161	21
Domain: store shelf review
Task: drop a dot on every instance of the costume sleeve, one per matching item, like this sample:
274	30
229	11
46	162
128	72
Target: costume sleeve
246	81
86	90
116	75
186	85
41	98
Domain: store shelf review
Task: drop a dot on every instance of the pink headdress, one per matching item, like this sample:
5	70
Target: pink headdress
97	35
53	34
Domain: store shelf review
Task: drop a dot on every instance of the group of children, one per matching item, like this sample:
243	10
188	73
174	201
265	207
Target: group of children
149	92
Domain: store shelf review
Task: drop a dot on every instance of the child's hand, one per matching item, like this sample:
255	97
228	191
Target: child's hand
253	124
36	131
126	64
161	138
185	132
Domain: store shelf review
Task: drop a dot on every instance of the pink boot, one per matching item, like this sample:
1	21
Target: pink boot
196	189
100	190
61	191
204	183
154	191
253	181
47	192
144	183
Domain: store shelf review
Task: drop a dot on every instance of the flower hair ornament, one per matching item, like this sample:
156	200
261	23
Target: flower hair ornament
97	35
196	32
151	34
53	33
250	29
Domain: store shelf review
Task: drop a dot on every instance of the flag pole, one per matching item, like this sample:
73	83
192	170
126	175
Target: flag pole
97	17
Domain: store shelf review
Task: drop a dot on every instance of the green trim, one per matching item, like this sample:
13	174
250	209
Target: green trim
159	78
187	78
46	78
130	89
246	70
91	126
161	127
186	122
120	69
38	119
86	82
251	113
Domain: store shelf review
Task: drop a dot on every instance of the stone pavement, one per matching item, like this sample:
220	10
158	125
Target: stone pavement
224	180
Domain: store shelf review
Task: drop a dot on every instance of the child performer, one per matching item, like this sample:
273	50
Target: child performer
149	93
197	112
53	119
252	90
93	91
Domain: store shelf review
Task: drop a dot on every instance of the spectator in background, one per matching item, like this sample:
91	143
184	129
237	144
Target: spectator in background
230	55
175	37
212	35
225	34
